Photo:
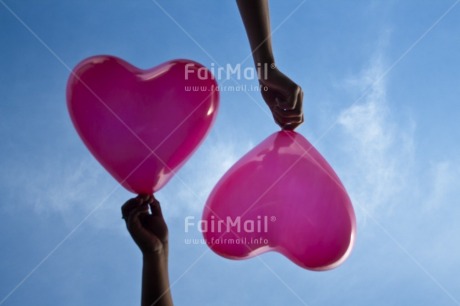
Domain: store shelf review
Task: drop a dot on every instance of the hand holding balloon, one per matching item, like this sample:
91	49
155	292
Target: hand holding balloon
146	225
283	97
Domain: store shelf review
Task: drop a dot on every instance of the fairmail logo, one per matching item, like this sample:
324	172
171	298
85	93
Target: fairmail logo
226	225
228	72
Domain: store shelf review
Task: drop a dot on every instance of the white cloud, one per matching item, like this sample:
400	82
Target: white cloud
193	184
65	188
70	187
389	181
443	184
380	149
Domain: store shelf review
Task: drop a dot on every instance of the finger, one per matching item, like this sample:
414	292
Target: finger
287	122
289	101
278	117
300	99
133	203
292	125
288	115
155	208
295	117
133	221
151	199
145	198
130	205
289	125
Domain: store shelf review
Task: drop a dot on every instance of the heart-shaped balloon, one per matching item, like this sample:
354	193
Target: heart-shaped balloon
281	196
141	125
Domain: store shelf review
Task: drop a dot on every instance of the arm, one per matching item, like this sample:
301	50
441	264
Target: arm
148	229
282	95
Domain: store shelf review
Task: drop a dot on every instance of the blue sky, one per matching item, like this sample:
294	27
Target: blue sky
381	82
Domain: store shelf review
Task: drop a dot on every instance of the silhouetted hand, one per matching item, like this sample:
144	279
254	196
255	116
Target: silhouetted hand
283	97
146	225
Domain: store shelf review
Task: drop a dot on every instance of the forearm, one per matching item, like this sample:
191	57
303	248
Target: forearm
155	281
256	19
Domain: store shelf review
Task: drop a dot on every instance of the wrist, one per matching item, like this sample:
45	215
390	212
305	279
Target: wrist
155	262
157	254
261	61
265	70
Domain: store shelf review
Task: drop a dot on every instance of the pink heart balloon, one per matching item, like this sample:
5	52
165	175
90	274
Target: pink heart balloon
281	196
141	125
